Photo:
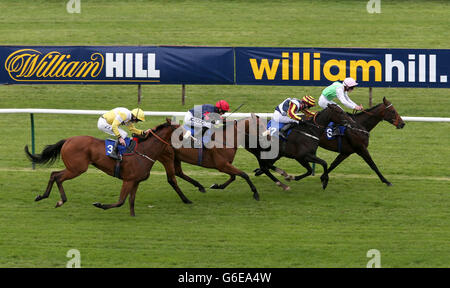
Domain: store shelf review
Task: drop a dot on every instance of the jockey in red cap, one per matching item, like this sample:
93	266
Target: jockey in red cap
205	115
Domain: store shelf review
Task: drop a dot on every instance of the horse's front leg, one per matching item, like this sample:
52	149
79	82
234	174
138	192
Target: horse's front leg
127	188
224	185
179	172
304	161
231	170
366	156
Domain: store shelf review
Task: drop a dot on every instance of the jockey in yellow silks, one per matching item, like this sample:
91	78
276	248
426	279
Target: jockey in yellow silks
110	122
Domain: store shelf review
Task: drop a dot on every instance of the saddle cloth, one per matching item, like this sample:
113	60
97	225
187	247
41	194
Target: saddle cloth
129	148
333	130
274	128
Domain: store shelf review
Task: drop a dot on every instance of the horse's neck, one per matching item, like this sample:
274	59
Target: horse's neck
370	119
153	146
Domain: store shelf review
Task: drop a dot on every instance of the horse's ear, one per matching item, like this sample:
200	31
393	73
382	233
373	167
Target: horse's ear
168	121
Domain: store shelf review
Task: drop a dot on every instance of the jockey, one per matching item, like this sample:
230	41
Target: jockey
110	122
286	111
339	90
205	115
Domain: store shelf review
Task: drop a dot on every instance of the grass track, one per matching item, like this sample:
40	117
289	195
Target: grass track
304	227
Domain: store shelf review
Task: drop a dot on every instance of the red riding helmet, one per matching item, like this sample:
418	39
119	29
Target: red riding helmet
223	105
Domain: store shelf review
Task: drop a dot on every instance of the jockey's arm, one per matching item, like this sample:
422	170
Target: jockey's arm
134	129
343	97
291	112
309	113
115	127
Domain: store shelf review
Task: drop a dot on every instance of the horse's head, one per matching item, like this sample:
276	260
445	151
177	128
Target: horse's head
339	116
391	115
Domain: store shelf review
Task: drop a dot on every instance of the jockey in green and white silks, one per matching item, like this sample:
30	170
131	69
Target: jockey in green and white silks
339	90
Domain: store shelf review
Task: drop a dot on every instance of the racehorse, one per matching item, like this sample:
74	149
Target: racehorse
80	151
221	157
302	144
356	142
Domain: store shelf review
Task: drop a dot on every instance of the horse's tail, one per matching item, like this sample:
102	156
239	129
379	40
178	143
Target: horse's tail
48	155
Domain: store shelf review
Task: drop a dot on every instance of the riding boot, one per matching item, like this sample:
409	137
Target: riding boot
284	130
115	152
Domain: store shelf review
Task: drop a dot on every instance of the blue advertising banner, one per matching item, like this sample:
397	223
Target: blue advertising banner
322	66
116	65
223	65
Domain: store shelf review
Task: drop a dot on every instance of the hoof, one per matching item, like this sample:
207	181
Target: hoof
59	203
258	172
202	189
38	198
187	201
324	184
98	205
389	184
256	196
215	186
289	178
286	188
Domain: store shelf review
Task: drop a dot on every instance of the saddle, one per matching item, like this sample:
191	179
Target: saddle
334	131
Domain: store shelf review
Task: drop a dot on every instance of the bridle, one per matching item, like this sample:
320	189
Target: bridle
157	137
397	117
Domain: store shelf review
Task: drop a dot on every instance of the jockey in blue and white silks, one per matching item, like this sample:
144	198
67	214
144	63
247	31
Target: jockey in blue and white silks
205	115
287	111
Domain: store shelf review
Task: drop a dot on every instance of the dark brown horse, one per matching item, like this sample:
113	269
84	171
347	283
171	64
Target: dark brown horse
302	144
221	157
80	151
355	141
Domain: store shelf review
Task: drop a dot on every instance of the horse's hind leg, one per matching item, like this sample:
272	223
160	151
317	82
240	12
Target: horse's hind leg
60	178
337	161
52	179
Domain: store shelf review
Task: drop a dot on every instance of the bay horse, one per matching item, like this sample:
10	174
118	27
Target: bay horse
302	144
80	151
355	142
221	158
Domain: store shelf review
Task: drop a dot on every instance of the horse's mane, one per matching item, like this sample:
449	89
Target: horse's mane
156	129
366	110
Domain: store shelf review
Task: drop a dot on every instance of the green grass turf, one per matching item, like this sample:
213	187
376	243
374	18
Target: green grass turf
304	227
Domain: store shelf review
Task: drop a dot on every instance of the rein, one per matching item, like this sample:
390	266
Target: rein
395	122
157	137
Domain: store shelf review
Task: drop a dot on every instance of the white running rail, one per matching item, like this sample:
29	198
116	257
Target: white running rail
180	114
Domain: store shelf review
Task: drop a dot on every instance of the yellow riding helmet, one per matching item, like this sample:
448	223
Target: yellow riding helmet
310	100
138	113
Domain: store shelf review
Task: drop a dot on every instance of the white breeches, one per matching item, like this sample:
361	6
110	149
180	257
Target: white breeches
282	119
323	102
